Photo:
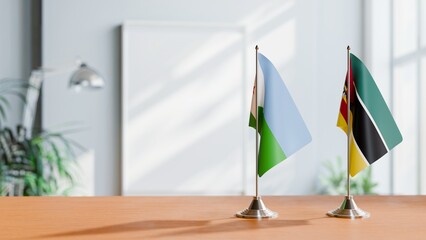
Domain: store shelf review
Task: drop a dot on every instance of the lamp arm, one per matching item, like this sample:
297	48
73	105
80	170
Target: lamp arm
84	76
31	100
33	93
49	71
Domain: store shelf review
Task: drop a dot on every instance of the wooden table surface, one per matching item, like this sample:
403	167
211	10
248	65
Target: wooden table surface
300	217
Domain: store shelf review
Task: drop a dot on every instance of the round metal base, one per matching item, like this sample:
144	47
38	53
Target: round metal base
348	209
257	209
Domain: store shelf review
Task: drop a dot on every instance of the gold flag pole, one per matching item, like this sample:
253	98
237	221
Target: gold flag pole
257	208
348	208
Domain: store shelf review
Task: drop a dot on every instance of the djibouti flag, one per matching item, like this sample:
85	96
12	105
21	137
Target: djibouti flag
281	127
373	131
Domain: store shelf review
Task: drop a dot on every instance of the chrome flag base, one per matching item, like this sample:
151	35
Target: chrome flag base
348	209
257	209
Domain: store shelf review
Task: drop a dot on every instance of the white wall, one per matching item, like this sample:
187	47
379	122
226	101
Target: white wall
378	54
305	39
15	47
393	44
340	23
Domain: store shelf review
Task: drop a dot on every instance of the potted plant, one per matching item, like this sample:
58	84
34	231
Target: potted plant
41	164
334	180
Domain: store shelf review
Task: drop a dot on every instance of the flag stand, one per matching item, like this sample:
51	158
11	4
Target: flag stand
348	209
257	208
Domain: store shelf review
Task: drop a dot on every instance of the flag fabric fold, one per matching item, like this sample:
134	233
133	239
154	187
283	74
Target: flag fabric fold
373	131
281	127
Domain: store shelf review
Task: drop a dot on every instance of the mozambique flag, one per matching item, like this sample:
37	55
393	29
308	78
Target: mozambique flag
281	127
373	132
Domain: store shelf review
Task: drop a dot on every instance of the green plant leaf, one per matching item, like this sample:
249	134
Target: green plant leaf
45	160
334	180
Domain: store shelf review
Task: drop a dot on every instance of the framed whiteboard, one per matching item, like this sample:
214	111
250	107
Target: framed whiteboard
183	109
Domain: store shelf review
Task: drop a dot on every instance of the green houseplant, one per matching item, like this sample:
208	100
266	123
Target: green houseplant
41	164
334	180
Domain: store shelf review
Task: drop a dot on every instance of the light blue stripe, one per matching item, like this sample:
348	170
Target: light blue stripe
280	111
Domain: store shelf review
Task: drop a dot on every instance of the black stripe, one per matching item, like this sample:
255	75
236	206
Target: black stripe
366	135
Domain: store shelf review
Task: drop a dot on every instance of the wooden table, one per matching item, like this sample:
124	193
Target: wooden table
301	217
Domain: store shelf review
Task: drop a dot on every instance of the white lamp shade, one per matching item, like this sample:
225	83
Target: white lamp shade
86	77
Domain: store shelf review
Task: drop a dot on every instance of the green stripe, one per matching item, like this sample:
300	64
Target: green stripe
270	152
252	121
374	102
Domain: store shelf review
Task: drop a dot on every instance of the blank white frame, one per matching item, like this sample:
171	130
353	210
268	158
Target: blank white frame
125	94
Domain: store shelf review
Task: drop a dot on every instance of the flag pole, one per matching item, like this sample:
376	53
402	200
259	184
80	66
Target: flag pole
257	208
348	100
348	208
257	128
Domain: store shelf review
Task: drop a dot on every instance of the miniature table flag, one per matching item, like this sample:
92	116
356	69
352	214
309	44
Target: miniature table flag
373	132
281	127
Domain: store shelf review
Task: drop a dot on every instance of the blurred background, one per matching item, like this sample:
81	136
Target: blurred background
172	116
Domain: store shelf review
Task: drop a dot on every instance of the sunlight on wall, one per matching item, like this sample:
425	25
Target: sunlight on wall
405	105
396	64
267	12
405	33
283	36
211	48
189	94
